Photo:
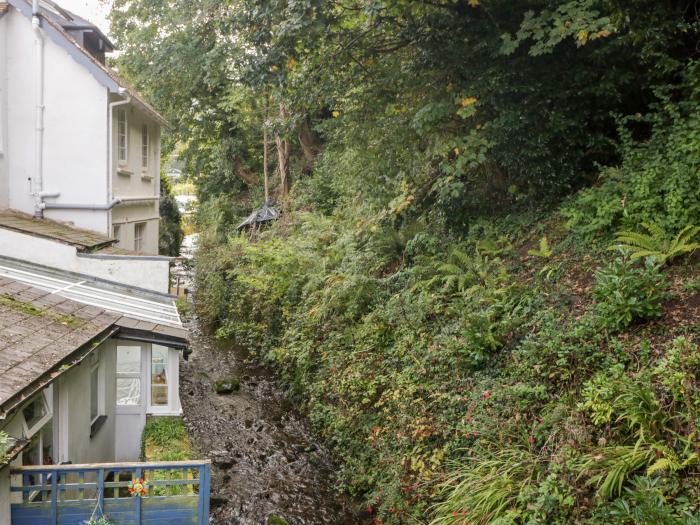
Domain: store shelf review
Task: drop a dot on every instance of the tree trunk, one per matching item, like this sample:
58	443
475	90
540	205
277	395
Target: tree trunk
309	145
250	178
283	157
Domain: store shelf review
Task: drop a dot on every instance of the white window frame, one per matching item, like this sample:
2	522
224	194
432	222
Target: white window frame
145	147
122	133
173	406
138	408
139	238
117	231
36	427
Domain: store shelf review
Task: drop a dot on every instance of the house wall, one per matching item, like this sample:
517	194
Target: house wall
133	181
148	273
4	188
74	402
75	128
5	496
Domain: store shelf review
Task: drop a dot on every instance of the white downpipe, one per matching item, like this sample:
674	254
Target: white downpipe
38	179
110	148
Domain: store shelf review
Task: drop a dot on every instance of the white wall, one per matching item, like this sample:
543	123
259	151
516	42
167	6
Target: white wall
73	394
4	202
151	274
132	180
75	134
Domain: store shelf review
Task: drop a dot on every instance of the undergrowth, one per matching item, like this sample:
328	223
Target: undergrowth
515	371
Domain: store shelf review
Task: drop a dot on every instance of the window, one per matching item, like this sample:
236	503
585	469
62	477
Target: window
159	376
139	234
128	375
122	136
117	231
145	147
36	414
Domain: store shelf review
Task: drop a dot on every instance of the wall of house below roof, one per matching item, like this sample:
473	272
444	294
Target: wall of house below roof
4	188
124	221
75	128
74	402
5	496
151	274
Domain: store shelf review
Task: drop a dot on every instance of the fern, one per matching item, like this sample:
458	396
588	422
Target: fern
544	250
657	244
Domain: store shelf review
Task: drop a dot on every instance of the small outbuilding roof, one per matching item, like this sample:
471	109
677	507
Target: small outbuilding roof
83	240
266	212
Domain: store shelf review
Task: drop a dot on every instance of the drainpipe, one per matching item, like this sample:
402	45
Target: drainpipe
110	148
38	180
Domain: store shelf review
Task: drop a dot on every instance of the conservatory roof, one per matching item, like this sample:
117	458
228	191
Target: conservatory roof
148	307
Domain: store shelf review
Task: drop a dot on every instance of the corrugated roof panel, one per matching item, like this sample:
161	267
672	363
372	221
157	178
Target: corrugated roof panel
138	304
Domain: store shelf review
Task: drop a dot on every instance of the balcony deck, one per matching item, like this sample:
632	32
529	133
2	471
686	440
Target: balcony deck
178	493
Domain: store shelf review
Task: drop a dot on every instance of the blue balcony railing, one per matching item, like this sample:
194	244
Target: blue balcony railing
177	493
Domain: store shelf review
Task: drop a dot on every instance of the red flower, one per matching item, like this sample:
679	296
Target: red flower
486	394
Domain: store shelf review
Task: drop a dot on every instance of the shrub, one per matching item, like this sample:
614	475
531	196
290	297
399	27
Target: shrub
628	293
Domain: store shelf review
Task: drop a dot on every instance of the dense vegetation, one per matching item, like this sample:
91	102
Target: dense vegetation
482	290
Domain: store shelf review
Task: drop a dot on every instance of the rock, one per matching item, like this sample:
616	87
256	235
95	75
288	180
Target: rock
218	500
227	386
274	519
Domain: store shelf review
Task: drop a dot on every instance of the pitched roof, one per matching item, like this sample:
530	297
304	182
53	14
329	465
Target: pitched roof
106	76
83	240
39	333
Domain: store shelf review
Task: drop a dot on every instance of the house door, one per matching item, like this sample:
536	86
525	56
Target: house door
132	362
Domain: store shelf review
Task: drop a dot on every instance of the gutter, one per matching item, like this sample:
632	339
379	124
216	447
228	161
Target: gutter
92	207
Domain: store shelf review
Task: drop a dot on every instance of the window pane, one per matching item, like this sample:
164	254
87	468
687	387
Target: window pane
128	359
159	376
94	382
34	411
128	391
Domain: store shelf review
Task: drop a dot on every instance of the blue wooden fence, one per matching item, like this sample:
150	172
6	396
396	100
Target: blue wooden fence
178	493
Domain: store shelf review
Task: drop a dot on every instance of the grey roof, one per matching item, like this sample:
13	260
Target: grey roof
83	240
39	332
70	21
266	212
104	75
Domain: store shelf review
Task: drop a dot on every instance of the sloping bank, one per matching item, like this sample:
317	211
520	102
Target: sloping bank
520	373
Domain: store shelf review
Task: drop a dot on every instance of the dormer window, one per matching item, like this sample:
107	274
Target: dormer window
122	137
145	147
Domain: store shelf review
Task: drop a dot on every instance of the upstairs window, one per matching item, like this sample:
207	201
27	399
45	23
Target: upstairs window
122	136
139	235
145	147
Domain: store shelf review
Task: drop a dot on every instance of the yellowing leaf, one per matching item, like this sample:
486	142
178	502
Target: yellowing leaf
582	36
292	62
469	101
473	3
336	114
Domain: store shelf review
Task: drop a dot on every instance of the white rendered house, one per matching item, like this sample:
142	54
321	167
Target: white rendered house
77	144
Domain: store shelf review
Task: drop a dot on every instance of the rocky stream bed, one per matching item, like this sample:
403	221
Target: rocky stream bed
267	466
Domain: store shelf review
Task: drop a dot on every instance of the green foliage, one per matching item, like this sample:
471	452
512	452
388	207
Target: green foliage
658	245
543	251
4	444
627	293
170	229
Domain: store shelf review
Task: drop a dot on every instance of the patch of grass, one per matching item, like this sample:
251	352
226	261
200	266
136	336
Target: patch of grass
166	439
